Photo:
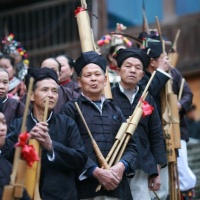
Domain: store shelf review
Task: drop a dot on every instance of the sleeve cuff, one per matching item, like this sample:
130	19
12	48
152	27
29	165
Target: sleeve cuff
51	155
163	72
126	165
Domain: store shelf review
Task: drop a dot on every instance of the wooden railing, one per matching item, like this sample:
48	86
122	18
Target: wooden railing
45	28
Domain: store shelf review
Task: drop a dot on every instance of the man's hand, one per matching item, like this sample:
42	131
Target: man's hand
164	63
118	169
107	178
40	132
155	181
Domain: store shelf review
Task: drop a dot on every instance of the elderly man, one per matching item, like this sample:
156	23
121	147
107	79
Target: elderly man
149	137
103	119
62	148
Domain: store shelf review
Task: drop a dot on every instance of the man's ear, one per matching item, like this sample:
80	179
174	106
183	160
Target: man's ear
152	62
72	71
32	96
106	79
142	74
79	81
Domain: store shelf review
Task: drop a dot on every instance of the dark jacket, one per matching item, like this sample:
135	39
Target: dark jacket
148	135
156	86
158	82
57	176
103	126
12	109
5	171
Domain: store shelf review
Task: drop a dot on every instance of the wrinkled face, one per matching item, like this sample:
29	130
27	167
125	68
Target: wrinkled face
45	88
92	80
5	63
4	83
66	71
131	72
51	64
3	129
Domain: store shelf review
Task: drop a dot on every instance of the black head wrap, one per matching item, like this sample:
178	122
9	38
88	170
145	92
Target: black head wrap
40	74
123	54
153	48
87	58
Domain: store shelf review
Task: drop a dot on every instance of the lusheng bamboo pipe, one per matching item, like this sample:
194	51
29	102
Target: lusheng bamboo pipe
171	128
116	153
15	189
87	38
84	28
33	173
124	125
99	155
181	89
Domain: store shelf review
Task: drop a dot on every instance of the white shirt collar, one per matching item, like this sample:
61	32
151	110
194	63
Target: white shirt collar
36	121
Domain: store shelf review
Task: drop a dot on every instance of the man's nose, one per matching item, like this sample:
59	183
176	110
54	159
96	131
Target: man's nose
132	69
93	77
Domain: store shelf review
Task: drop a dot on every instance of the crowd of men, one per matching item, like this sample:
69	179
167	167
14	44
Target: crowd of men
70	166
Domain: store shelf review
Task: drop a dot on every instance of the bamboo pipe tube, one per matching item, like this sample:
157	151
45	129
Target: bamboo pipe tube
172	98
181	89
19	166
84	30
173	55
130	131
33	173
36	191
118	138
99	155
159	29
107	89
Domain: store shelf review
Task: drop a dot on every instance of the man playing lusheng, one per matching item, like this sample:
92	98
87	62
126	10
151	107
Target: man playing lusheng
149	136
103	119
62	149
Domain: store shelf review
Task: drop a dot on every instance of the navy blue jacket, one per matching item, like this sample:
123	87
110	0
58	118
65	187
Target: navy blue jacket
155	87
57	179
148	135
103	126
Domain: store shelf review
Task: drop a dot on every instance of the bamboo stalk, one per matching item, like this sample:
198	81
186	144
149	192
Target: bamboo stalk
33	173
130	130
159	29
181	89
99	155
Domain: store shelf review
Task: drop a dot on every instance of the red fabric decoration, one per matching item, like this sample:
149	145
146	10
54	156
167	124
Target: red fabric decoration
147	108
78	10
28	151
